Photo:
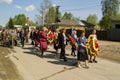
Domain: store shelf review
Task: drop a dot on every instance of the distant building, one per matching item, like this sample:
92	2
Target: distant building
18	27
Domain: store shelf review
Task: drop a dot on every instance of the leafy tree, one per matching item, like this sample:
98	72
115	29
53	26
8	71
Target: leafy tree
117	17
92	19
110	10
20	19
105	23
31	23
50	16
10	24
1	26
68	16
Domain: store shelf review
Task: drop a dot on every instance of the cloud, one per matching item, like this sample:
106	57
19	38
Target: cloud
30	8
6	1
18	7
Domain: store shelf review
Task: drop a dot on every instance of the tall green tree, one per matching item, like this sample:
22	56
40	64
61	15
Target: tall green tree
20	19
92	19
50	16
110	9
68	16
117	17
10	24
105	23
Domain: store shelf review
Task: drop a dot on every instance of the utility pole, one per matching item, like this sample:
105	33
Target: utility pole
57	17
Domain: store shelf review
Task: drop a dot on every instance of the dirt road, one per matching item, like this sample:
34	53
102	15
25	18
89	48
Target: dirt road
33	67
8	70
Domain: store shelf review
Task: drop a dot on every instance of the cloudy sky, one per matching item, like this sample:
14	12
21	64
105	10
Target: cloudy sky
80	8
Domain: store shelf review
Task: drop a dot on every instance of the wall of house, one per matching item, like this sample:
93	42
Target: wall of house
114	34
114	24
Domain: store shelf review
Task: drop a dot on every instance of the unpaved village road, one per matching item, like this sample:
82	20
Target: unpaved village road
33	67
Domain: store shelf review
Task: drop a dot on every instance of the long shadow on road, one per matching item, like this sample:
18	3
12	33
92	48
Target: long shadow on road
52	55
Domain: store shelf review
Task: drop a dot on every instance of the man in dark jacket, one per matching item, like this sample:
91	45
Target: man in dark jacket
32	37
62	40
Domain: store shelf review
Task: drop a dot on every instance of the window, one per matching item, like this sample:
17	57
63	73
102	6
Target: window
117	26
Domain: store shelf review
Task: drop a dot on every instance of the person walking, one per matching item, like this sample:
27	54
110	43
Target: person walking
56	40
62	39
93	47
32	36
43	40
82	50
26	35
22	37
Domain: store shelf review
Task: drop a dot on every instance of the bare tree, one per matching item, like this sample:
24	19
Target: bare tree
42	12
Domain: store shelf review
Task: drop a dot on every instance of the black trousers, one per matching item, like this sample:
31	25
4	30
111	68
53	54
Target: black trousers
22	41
62	53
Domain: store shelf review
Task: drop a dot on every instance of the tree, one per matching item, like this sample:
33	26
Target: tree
110	10
105	23
68	16
1	26
10	24
20	19
31	23
50	16
92	19
43	11
117	17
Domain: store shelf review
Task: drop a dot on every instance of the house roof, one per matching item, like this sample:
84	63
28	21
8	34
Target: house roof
81	23
68	23
87	24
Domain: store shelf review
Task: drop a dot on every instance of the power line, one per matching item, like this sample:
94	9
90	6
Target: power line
80	8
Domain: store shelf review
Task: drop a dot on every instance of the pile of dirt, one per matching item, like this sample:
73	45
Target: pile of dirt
8	70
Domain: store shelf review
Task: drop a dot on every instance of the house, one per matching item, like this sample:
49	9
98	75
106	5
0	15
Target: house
81	25
113	33
116	24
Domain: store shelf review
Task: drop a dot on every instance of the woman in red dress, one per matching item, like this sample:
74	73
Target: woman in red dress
43	40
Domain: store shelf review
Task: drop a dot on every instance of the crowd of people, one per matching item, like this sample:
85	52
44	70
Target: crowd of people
85	49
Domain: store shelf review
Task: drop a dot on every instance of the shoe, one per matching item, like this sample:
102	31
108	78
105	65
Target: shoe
86	67
95	61
65	60
90	61
74	55
79	66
